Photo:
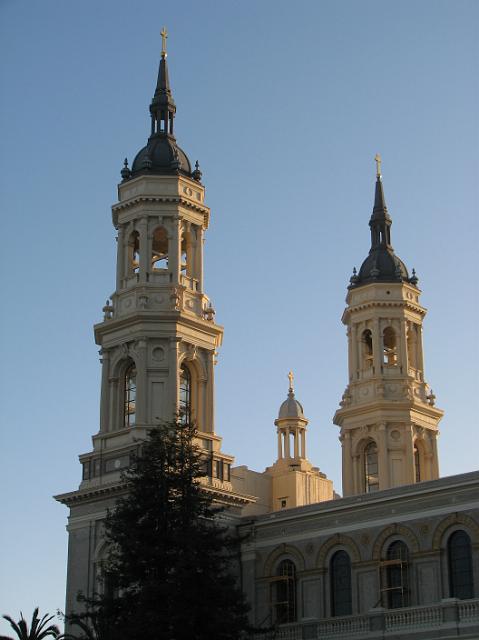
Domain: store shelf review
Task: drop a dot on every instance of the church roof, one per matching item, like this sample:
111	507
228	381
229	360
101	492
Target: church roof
162	155
381	264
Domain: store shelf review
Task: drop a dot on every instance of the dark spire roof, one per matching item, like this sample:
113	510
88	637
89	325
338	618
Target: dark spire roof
382	264
162	155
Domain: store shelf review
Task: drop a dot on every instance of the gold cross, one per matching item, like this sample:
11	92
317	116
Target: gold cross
291	378
164	35
377	157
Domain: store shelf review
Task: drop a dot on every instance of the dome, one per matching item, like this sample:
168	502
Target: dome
291	408
161	156
382	265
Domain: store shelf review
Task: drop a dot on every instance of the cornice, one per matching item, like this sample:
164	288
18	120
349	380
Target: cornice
386	303
74	498
177	200
154	317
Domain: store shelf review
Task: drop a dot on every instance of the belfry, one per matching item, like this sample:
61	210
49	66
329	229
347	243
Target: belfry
387	417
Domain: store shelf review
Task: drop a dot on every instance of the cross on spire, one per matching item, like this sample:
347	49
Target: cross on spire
377	158
164	35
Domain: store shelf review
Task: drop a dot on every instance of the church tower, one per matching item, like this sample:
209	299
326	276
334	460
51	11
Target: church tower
388	421
158	338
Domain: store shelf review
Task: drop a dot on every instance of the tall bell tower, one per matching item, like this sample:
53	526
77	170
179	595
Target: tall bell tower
388	421
158	338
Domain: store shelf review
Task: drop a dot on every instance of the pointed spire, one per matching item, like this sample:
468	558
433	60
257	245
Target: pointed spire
380	221
381	264
162	107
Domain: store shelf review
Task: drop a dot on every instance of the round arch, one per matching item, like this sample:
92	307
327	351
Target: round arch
398	530
455	520
283	552
335	543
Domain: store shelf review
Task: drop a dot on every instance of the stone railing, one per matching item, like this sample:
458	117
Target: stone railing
459	615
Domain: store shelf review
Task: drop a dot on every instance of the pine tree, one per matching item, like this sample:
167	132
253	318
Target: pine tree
169	569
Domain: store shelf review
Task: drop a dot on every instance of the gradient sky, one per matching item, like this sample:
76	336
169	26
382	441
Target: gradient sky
285	105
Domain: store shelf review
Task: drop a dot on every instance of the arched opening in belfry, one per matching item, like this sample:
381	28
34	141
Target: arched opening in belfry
367	349
389	347
412	338
159	249
371	468
134	252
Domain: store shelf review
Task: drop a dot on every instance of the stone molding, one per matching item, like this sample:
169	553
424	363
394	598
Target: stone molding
338	540
395	530
279	552
455	519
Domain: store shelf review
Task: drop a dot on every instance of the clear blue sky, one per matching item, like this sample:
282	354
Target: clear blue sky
285	105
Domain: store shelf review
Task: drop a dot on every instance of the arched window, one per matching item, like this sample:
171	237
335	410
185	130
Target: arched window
459	557
129	395
371	472
185	394
397	571
367	349
341	598
134	252
390	357
417	463
159	249
284	593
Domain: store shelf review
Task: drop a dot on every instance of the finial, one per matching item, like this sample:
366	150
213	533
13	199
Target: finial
196	175
414	279
377	158
125	172
164	35
291	379
354	278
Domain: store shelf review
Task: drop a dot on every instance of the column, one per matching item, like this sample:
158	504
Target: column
144	256
173	375
303	443
409	471
377	347
210	394
287	453
175	250
105	370
200	413
345	439
116	399
353	341
402	352
141	383
199	251
435	458
420	356
383	457
296	443
280	448
120	259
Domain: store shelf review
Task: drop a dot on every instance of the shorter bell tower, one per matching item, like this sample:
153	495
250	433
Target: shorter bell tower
295	482
387	415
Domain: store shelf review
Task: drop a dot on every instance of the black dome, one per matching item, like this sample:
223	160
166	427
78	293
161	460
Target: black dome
382	265
161	156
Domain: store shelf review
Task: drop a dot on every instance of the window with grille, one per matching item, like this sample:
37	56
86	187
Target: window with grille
397	569
284	593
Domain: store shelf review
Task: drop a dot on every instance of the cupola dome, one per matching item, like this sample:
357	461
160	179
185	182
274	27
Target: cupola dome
291	408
